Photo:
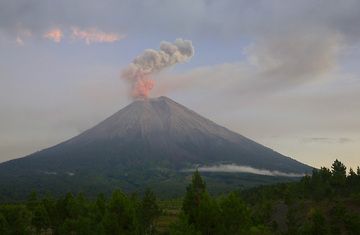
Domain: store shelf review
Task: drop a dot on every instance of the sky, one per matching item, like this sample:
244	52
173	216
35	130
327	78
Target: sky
283	73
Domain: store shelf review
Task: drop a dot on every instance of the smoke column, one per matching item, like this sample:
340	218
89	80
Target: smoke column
139	73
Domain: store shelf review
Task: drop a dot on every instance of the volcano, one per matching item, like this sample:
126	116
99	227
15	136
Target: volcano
152	142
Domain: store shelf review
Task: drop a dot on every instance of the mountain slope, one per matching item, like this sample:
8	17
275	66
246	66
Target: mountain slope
145	140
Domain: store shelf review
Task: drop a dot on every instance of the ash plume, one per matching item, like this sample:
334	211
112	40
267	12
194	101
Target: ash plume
140	72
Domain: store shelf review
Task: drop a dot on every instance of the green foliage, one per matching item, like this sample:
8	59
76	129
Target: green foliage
149	212
325	183
200	209
4	226
327	202
18	218
316	223
235	214
195	193
338	173
99	207
262	211
71	214
206	215
40	218
352	222
120	217
182	227
304	207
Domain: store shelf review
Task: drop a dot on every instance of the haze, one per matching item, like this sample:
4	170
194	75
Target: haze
285	74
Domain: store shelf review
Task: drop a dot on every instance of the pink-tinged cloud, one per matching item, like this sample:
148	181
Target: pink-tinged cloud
19	41
22	34
93	35
54	34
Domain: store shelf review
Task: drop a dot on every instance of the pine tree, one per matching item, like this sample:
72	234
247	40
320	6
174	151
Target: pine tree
195	192
120	215
149	212
338	173
352	172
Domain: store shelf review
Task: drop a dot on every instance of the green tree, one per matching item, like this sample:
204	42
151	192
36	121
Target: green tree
316	224
120	215
182	227
352	172
351	178
235	215
293	220
40	219
325	174
32	201
50	205
18	218
208	216
321	184
352	222
4	226
338	173
64	207
149	212
79	226
194	194
336	215
99	210
201	210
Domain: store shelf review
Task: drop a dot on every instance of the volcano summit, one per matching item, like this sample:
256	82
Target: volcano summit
151	142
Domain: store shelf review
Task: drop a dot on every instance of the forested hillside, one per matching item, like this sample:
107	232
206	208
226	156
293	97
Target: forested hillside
328	202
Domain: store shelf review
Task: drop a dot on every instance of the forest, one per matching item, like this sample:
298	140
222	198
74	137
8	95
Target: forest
326	202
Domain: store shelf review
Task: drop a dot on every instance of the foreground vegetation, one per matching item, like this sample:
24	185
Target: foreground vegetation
328	202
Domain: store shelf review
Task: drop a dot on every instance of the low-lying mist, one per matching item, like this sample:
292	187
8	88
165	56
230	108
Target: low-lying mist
233	168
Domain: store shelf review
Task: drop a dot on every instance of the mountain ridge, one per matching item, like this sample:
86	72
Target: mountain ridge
127	148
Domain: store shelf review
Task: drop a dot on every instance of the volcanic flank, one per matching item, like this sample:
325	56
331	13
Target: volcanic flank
148	142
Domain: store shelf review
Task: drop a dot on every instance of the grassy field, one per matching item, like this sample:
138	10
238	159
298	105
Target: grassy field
171	210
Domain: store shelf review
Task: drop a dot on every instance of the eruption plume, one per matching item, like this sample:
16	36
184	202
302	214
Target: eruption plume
139	73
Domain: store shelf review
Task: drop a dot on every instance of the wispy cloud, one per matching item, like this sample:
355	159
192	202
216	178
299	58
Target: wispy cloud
57	35
54	34
19	41
22	33
326	140
344	140
233	168
94	35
